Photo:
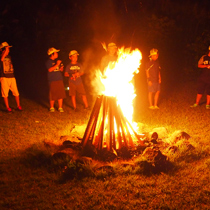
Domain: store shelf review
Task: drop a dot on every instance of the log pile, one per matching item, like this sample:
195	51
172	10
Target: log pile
108	128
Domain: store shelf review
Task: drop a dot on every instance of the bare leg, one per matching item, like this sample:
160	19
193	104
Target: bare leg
150	98
208	100
156	97
84	98
73	99
52	104
60	103
17	99
198	98
6	102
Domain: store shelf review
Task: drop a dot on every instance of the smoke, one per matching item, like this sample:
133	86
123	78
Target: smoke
91	63
104	22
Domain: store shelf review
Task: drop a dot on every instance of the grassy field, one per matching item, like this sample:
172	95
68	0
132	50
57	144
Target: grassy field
34	184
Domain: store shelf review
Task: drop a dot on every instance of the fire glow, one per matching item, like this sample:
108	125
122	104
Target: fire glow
110	124
118	80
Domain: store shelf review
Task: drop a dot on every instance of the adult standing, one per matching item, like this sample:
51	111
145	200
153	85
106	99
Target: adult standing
153	79
55	79
8	81
203	83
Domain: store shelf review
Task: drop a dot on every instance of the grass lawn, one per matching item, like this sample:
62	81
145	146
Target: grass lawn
26	185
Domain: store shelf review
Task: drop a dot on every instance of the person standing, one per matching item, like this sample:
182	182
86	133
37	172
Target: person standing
8	81
203	83
110	57
74	71
55	79
153	79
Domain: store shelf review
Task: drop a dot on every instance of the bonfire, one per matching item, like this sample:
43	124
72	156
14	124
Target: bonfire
111	123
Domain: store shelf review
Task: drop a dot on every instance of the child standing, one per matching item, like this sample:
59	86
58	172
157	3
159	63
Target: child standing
55	78
74	71
8	81
153	79
203	83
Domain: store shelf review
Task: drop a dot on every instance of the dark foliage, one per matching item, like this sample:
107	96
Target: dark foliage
179	29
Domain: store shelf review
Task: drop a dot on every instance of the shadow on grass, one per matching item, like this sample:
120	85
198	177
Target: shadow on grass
68	167
39	156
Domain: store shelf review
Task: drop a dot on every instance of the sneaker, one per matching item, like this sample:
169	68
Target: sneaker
52	109
19	108
194	106
207	106
9	109
60	110
156	107
151	107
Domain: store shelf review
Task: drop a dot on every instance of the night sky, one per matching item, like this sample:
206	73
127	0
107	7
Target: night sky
178	29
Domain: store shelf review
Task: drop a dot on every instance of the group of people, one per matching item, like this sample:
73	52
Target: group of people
55	78
154	79
74	71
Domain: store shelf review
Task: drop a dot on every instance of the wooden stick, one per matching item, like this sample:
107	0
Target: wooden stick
119	122
112	102
126	127
137	136
111	124
98	141
95	111
93	129
101	138
97	118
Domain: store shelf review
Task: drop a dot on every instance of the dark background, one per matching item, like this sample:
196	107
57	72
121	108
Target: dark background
178	29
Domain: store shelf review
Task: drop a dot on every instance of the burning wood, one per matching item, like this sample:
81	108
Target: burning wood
109	125
108	128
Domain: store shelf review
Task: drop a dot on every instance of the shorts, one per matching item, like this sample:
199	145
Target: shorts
76	88
154	87
8	84
203	86
57	90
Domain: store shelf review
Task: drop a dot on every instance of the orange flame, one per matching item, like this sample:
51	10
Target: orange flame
117	80
104	45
